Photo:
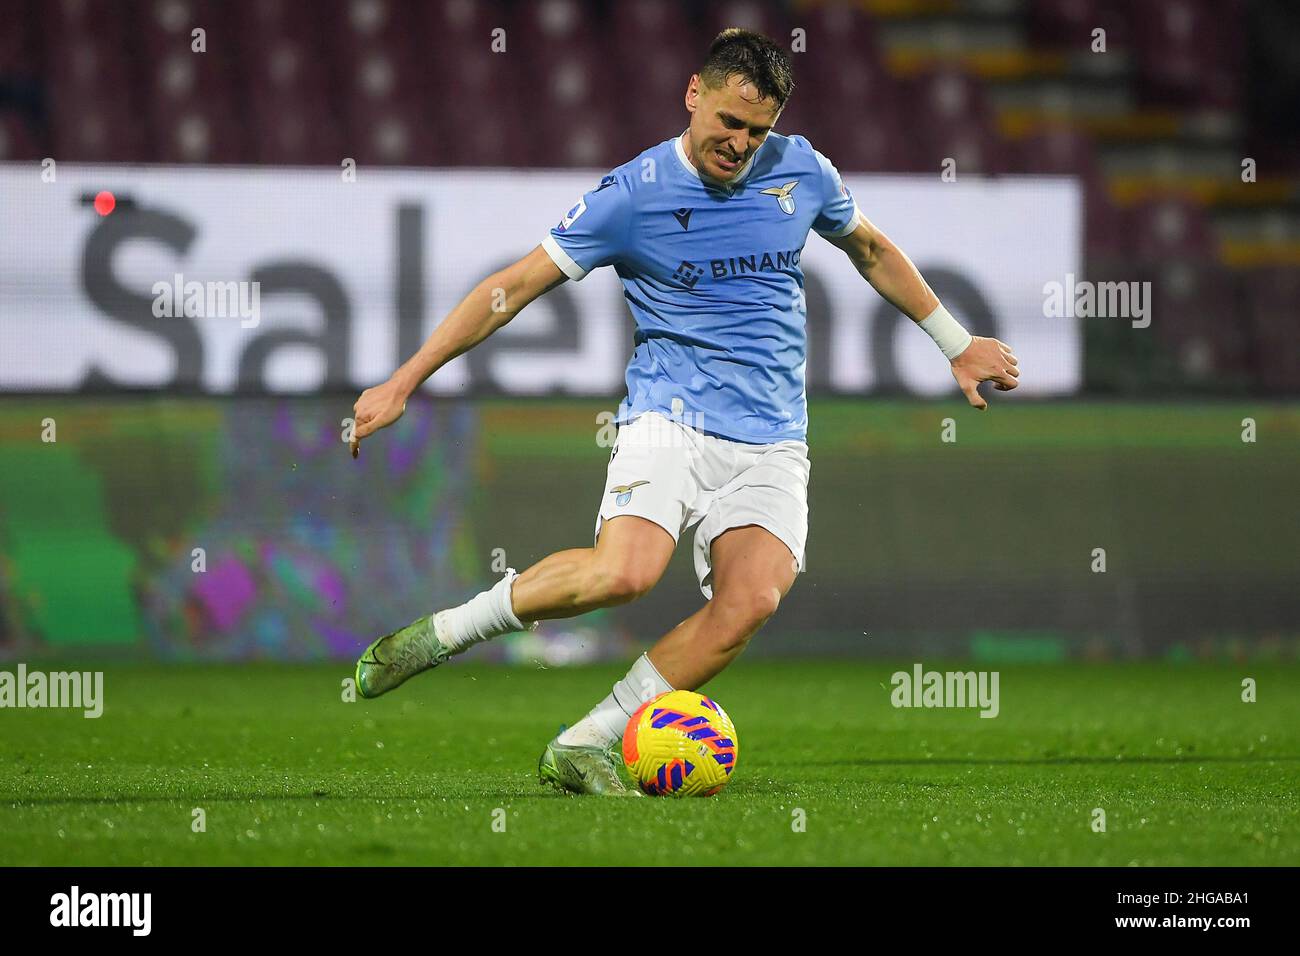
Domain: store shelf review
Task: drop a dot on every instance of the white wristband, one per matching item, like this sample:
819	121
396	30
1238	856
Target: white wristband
947	333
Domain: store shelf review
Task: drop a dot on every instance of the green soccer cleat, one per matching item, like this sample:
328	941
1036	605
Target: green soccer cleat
393	659
582	770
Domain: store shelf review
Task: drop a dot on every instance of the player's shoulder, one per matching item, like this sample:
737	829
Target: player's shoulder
794	145
796	150
640	173
619	188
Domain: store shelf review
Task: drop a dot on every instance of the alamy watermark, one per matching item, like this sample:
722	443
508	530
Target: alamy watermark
203	300
75	908
922	688
655	429
1081	299
78	690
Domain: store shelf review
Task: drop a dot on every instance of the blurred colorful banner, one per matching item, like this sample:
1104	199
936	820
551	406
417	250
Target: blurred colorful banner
242	528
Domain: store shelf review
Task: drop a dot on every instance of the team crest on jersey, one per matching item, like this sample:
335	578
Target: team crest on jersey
624	492
784	196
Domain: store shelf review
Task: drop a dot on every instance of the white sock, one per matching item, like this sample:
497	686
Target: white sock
487	615
604	726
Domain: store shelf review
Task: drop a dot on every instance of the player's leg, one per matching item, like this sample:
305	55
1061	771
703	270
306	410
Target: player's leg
630	556
636	553
748	549
753	570
655	473
648	488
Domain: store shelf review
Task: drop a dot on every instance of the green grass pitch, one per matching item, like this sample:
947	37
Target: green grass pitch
287	773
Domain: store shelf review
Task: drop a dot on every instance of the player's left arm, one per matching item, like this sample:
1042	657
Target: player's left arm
974	359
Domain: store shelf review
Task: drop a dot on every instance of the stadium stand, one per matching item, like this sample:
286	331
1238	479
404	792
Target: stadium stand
1153	106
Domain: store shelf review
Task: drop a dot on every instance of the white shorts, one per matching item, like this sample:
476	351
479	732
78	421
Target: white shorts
676	476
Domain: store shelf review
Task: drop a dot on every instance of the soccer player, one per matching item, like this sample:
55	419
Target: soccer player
705	231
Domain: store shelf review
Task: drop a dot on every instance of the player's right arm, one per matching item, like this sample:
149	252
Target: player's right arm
493	302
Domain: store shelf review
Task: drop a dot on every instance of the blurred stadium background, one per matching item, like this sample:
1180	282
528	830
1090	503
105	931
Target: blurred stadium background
1170	156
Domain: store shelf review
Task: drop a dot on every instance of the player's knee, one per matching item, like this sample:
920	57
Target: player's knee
759	604
744	611
621	582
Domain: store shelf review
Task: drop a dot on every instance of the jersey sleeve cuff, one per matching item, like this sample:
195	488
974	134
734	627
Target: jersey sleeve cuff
563	259
841	233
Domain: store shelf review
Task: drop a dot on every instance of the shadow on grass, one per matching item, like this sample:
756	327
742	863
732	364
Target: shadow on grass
14	801
1033	761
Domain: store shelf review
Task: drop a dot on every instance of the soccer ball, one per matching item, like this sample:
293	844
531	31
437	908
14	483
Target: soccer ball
680	744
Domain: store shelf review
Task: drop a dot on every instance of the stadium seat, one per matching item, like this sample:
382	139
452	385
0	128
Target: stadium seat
92	100
1183	57
17	141
1063	23
751	14
841	29
1058	152
1168	228
653	24
292	120
1198	315
865	131
1274	301
550	29
188	93
657	86
973	146
17	40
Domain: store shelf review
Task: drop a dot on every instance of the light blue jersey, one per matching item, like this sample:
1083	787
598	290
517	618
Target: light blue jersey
711	273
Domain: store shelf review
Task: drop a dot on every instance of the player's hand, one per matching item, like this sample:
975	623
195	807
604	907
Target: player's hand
377	408
985	360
